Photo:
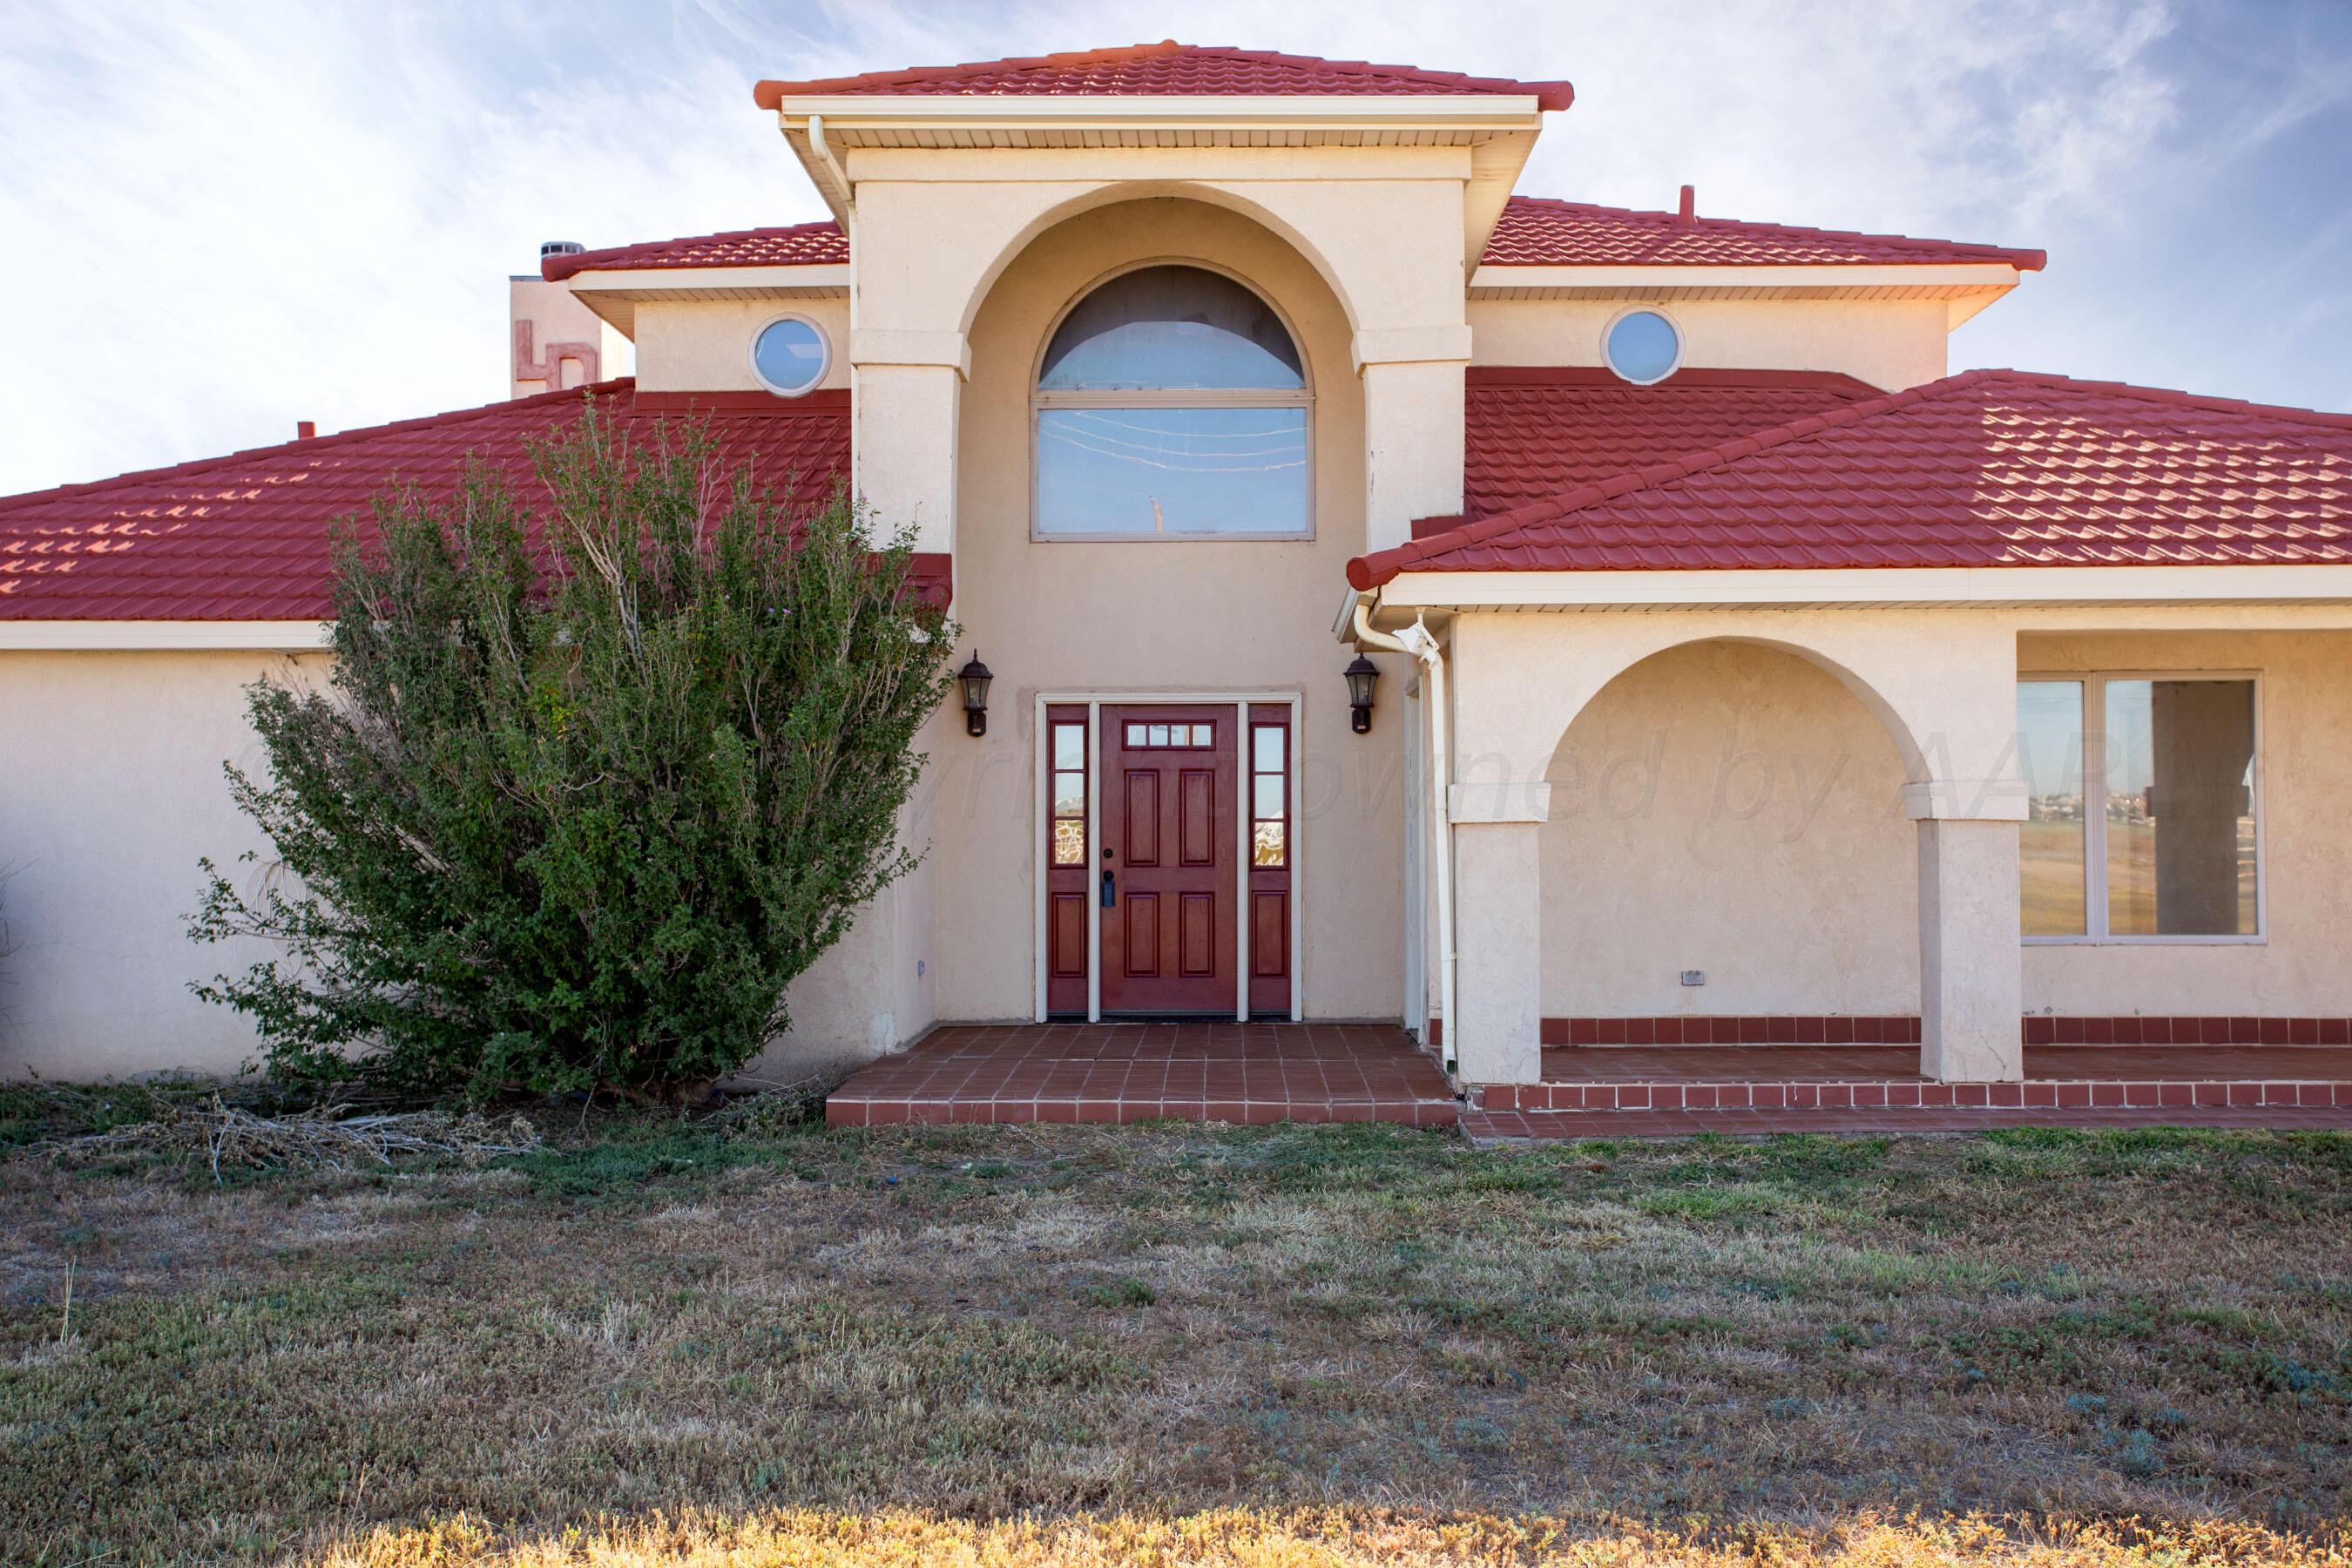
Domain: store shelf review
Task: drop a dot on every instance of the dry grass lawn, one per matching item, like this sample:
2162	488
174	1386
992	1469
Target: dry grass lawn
667	1344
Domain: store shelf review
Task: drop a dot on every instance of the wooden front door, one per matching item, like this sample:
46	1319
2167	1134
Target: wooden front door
1169	840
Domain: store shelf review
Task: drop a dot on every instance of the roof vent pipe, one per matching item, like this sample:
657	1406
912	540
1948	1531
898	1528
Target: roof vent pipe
1688	215
561	247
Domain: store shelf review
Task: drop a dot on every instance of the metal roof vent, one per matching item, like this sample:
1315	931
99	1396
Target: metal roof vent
561	247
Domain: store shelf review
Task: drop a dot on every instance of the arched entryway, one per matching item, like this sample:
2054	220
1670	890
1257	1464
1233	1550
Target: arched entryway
1727	842
1815	815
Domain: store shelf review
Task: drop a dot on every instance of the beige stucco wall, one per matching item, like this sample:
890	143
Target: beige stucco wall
1735	810
1890	344
1382	225
1175	615
2301	968
110	789
706	345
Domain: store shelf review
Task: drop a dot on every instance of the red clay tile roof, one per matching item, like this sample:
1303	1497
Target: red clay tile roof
1164	69
1530	433
1989	467
1534	232
1540	232
801	245
245	537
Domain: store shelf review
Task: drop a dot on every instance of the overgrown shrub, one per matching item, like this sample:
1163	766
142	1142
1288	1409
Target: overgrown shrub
595	781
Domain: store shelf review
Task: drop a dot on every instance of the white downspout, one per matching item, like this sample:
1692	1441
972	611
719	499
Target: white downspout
1417	642
832	165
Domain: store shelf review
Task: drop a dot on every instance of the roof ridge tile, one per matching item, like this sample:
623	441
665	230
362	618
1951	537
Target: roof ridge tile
769	94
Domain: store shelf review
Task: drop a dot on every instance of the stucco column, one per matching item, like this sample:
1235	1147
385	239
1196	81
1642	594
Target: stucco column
1412	379
1498	931
908	387
1970	986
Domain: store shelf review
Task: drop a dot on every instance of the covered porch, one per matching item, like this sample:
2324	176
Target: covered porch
1821	860
2007	706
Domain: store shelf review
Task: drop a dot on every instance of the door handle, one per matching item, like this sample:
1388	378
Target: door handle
1109	889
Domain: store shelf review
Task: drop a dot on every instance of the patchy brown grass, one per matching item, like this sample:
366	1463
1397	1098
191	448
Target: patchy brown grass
1246	1538
772	1345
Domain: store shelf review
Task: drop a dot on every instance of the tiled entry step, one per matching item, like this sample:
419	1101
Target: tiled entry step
1506	1126
2116	1094
1195	1071
1717	1078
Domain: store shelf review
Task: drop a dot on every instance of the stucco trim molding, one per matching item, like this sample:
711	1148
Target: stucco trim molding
149	637
886	346
1965	800
1227	113
697	283
1860	586
1491	802
1407	345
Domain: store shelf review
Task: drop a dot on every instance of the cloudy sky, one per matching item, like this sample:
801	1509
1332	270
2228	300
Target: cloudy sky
220	218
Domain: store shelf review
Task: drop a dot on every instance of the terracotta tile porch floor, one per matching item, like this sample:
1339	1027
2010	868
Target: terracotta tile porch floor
1222	1071
1198	1070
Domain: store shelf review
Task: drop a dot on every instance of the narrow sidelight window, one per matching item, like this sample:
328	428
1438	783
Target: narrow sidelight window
2141	821
1269	795
1069	794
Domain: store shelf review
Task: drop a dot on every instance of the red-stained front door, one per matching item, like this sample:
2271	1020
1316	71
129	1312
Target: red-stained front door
1170	844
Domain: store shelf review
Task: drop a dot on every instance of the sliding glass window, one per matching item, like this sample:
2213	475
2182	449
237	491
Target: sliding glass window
2142	809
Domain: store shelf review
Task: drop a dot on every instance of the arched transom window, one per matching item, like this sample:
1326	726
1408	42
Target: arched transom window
1172	403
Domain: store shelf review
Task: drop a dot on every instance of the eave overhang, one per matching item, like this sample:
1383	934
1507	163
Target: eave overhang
1967	287
879	119
1412	593
1499	129
162	637
614	293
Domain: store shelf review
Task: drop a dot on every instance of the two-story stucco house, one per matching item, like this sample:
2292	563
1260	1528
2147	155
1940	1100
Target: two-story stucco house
1741	676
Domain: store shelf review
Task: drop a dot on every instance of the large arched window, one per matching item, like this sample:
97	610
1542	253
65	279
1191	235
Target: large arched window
1172	403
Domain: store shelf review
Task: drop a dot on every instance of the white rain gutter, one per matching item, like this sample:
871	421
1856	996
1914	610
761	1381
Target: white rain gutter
1418	643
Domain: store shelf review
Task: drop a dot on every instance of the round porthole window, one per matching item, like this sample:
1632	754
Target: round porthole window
789	355
1643	346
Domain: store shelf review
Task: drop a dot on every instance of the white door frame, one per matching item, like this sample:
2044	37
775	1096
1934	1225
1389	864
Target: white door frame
1042	739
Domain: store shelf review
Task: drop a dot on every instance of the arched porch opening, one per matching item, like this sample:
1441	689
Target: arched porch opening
1728	859
1807	812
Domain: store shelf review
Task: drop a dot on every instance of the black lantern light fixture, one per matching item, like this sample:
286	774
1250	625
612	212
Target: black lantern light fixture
1362	675
974	678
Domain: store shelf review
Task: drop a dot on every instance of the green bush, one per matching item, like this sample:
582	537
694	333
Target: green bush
590	788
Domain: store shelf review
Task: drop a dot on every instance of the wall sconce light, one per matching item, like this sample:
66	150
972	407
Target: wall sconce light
974	678
1362	675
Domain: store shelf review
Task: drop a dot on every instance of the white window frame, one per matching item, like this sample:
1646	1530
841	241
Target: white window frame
2094	821
1041	401
824	341
1682	342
